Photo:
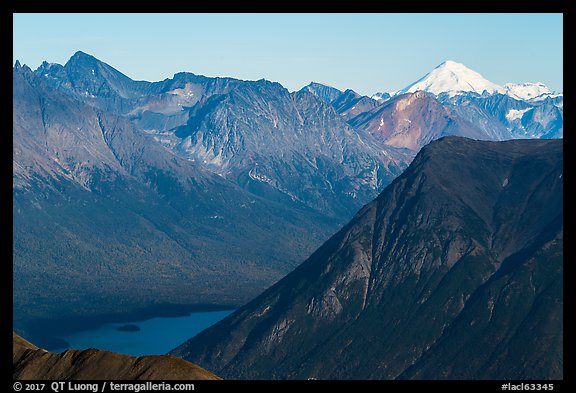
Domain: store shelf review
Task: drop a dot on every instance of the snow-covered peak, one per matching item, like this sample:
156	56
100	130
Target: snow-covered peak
452	78
380	96
527	91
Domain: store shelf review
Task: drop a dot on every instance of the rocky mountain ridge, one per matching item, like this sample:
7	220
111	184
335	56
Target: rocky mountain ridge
32	363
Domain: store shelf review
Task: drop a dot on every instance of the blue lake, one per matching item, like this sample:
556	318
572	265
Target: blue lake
155	337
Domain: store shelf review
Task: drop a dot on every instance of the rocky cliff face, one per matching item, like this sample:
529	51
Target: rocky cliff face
453	272
32	363
260	135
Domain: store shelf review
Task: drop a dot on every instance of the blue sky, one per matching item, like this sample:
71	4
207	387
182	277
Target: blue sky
364	52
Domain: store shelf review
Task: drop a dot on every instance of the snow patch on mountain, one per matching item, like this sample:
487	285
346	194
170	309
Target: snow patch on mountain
515	114
185	92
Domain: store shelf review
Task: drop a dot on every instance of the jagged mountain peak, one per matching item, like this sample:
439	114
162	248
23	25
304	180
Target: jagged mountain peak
82	55
80	59
314	85
86	76
323	91
48	69
21	68
84	65
351	93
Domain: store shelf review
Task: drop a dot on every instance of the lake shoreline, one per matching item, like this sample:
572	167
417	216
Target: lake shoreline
43	332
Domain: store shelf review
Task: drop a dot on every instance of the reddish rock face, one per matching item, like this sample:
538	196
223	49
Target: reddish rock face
412	120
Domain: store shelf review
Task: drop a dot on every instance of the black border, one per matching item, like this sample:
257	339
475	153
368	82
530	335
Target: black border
347	386
452	6
386	6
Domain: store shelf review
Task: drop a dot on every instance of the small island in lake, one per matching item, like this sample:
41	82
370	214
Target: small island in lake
129	328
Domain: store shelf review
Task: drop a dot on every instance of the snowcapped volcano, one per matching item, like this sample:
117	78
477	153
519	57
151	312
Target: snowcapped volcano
453	78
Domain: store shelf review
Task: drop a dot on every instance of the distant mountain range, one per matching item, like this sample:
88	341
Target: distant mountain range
207	190
455	271
512	111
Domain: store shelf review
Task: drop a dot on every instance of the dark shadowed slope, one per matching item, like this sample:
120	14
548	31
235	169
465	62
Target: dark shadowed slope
32	363
453	272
